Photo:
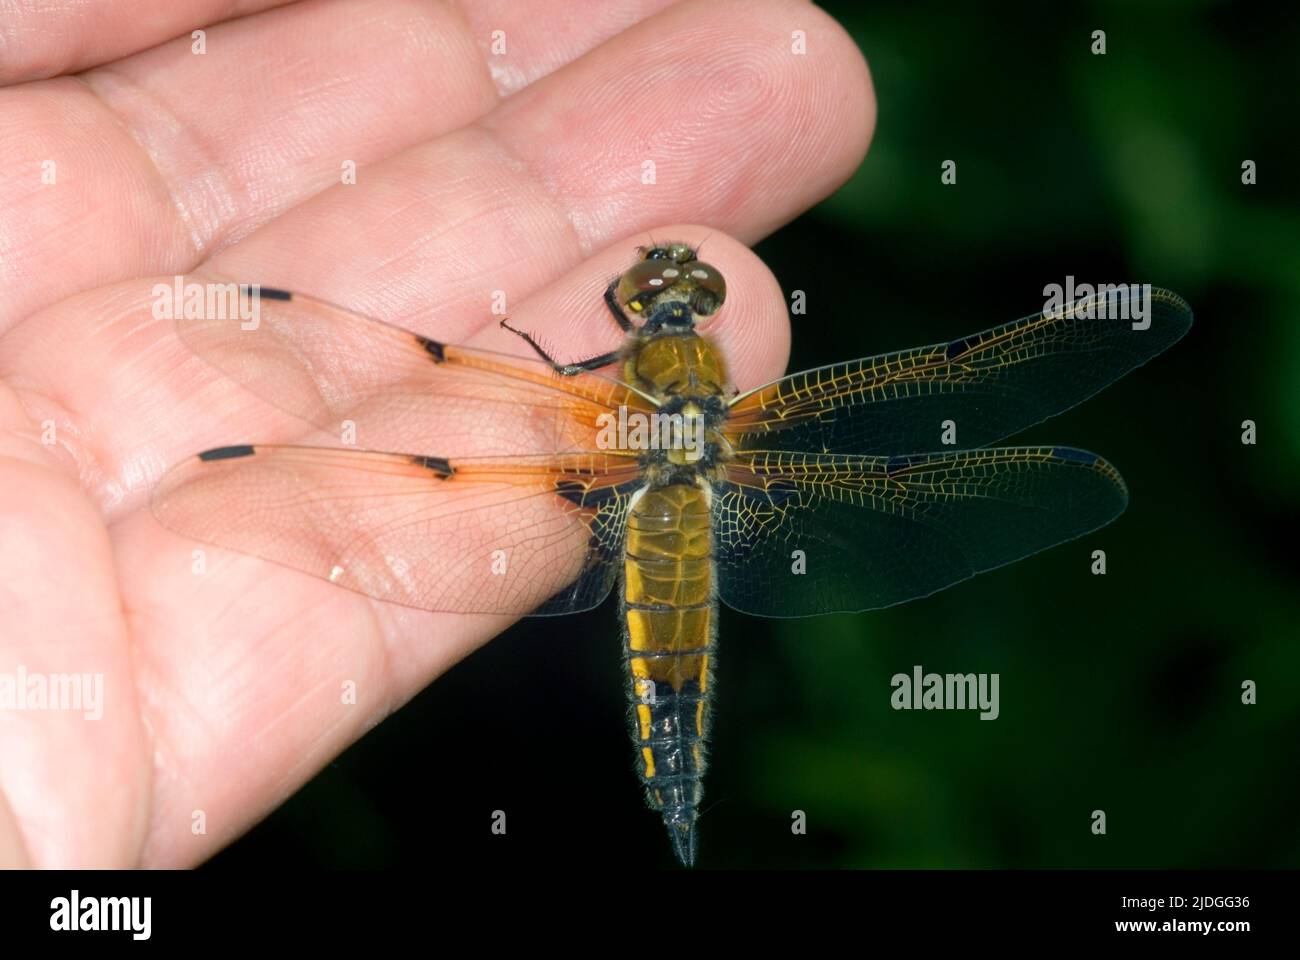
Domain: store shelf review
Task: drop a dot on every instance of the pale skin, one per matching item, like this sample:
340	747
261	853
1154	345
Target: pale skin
476	171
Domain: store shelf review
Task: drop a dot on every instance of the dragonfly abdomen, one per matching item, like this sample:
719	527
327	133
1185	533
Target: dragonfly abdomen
669	642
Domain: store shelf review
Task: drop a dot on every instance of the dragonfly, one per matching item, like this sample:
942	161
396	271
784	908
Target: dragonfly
480	482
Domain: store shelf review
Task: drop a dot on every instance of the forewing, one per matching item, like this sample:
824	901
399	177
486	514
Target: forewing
803	534
514	536
991	384
385	388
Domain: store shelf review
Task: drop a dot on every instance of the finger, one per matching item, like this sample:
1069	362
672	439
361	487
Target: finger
285	646
154	163
46	39
540	184
74	760
13	853
41	39
522	42
752	125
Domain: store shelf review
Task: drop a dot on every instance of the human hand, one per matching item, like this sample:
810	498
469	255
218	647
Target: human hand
474	171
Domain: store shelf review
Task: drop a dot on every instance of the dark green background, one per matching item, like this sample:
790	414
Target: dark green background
1120	693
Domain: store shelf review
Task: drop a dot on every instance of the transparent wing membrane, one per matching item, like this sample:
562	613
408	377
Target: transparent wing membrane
991	384
800	534
513	536
396	389
522	513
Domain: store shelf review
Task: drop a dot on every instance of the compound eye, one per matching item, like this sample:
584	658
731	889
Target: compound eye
709	288
678	252
639	287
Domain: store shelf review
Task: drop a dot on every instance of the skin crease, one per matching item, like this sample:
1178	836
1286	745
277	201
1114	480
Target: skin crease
476	172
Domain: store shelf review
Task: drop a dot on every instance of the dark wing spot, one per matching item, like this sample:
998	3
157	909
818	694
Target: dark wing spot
269	293
583	494
575	491
439	465
1074	456
433	348
227	453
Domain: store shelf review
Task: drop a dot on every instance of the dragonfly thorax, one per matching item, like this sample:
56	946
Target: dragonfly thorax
671	364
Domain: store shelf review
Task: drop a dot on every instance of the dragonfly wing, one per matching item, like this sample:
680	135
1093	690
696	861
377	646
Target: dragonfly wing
990	384
801	534
394	389
491	535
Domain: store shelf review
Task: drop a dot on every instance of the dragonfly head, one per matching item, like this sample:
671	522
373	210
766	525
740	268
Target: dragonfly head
671	288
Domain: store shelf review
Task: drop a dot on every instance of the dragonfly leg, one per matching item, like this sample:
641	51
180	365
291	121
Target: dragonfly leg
564	369
616	308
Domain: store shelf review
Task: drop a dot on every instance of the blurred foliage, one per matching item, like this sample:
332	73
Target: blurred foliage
1119	693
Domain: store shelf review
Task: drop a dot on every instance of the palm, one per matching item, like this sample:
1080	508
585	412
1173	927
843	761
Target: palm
223	689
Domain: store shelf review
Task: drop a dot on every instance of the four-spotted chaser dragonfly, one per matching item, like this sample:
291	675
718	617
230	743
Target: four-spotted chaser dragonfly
525	486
